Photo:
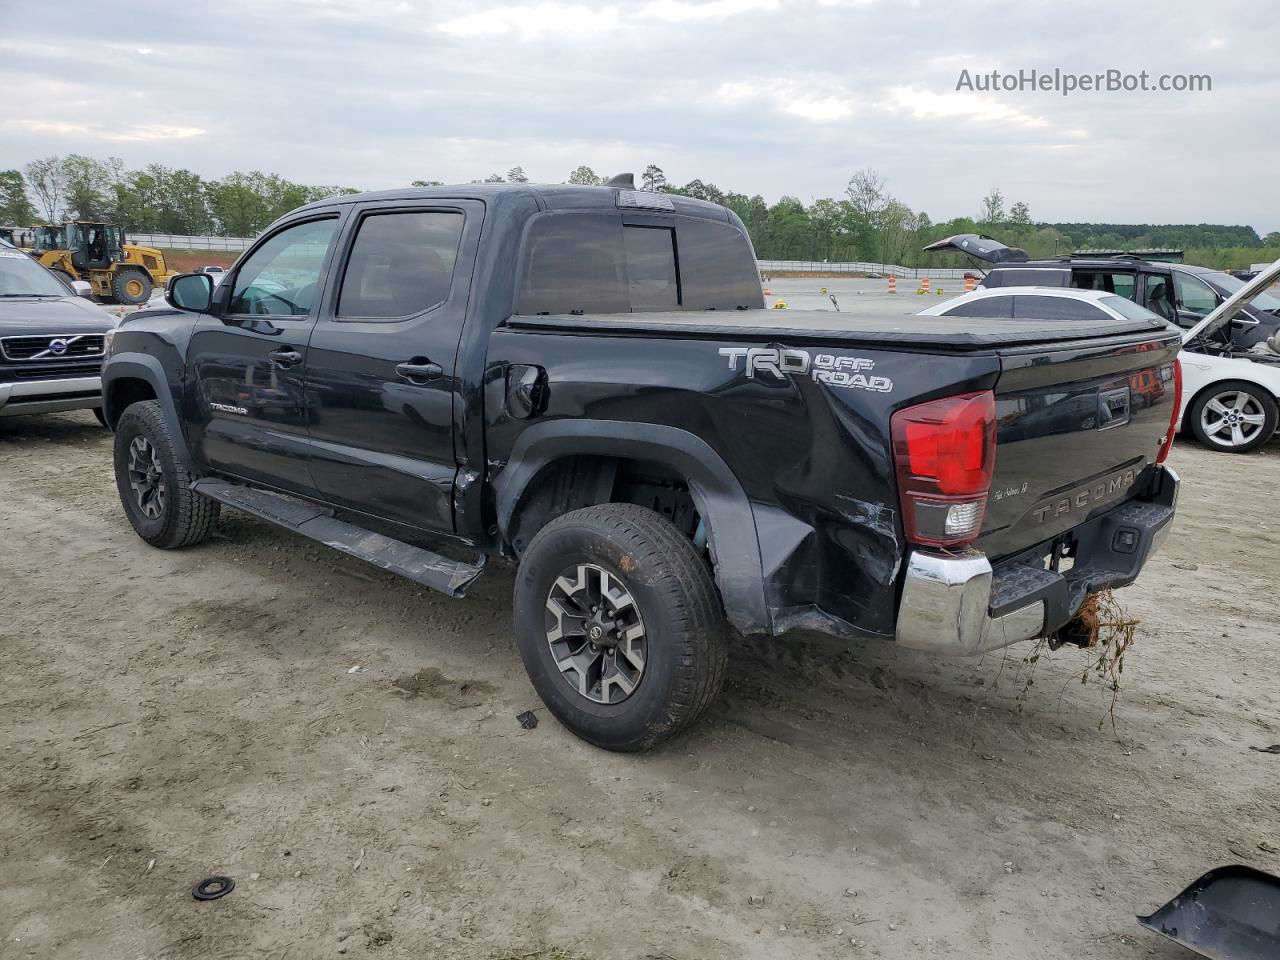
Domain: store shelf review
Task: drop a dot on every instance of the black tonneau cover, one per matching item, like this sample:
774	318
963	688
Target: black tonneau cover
961	333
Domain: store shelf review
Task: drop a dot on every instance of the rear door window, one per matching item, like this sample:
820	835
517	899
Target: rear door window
1122	284
574	263
1056	308
999	307
401	264
653	280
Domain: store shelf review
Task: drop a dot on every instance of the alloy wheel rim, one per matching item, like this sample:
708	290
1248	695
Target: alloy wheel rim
1232	418
146	478
596	634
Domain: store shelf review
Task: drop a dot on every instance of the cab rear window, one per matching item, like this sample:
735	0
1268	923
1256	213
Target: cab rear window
596	263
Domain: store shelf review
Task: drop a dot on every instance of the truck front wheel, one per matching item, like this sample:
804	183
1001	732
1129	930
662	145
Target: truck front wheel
154	486
620	626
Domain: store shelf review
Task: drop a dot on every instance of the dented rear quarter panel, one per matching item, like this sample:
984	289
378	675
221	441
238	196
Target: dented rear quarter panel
812	457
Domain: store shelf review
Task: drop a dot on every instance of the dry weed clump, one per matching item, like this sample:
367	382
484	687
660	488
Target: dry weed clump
1111	633
1107	632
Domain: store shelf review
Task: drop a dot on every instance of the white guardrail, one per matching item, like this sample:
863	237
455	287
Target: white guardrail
771	267
178	242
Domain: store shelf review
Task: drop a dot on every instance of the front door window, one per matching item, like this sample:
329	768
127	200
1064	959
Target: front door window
1194	295
282	277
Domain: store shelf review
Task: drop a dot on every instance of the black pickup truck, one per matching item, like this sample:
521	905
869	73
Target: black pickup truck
583	380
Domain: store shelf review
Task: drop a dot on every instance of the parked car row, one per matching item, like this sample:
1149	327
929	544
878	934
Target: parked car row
1230	359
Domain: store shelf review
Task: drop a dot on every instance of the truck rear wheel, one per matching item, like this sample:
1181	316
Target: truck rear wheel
154	486
620	626
131	285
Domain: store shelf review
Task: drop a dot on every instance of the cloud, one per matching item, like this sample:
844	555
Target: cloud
761	96
136	133
967	107
784	96
533	21
679	11
577	20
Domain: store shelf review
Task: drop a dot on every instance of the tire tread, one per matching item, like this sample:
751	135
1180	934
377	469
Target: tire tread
688	589
195	514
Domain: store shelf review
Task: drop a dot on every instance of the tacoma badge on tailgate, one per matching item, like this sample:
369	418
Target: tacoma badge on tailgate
1090	495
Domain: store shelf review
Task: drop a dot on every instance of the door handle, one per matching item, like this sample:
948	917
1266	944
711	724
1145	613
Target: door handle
284	357
419	370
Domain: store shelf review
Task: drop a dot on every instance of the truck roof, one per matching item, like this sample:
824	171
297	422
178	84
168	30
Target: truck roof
866	329
548	196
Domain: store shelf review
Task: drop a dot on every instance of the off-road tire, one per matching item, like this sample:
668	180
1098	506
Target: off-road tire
126	277
686	634
186	517
1264	402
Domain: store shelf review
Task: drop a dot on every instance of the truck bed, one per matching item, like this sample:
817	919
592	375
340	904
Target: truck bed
858	327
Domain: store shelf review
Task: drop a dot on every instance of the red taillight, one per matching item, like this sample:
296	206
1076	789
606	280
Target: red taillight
1167	445
945	452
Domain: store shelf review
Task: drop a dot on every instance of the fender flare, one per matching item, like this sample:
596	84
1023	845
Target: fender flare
143	366
716	493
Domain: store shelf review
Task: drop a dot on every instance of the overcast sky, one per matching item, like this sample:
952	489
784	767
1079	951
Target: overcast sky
760	96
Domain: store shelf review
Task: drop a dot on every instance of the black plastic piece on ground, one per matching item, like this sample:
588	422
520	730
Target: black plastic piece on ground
211	888
1231	913
528	719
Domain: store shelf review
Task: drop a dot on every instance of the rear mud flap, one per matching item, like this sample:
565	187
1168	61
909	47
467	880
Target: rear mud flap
1231	913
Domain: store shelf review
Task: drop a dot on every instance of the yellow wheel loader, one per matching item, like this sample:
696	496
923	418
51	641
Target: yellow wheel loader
118	271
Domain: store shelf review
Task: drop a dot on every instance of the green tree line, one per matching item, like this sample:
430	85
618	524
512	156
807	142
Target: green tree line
866	222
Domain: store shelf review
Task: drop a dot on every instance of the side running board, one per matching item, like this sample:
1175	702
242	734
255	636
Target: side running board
422	566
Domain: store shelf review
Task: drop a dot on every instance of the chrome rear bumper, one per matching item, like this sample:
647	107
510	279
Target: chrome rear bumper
957	604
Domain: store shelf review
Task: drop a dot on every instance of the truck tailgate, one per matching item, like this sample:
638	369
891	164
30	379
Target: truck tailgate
1076	427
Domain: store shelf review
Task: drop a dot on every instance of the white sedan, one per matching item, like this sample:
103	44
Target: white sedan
1230	397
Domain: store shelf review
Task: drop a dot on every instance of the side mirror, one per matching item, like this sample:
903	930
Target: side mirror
190	291
1189	318
81	288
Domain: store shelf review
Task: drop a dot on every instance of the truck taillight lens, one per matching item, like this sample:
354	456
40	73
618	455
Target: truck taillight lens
1167	445
945	453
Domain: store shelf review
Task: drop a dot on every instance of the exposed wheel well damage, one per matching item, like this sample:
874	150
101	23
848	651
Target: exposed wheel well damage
557	466
572	482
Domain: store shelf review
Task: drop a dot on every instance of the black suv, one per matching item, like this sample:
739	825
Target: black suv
1179	292
51	340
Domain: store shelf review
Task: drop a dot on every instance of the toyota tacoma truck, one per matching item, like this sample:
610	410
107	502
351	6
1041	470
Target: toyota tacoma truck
51	340
584	382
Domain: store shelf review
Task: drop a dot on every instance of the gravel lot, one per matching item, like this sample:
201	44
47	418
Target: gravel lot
168	716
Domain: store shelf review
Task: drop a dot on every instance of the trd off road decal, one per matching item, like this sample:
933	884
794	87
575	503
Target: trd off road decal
853	373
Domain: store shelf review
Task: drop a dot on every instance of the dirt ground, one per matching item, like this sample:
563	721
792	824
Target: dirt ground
169	716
